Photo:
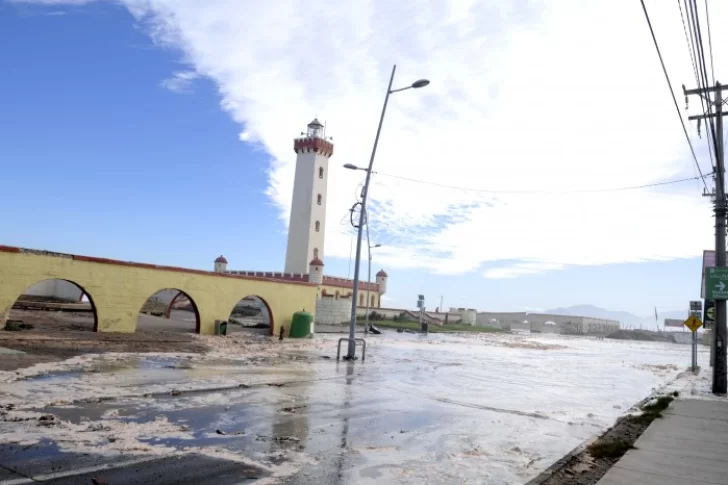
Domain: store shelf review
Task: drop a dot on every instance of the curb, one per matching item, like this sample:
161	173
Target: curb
564	460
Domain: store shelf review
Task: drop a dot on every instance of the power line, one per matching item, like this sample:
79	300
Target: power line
704	71
688	41
542	192
695	49
672	93
710	42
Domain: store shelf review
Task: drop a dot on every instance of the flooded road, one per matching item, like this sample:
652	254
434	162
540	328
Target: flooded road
441	409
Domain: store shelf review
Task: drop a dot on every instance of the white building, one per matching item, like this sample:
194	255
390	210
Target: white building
308	208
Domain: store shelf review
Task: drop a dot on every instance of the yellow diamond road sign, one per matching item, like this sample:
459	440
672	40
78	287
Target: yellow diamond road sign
693	323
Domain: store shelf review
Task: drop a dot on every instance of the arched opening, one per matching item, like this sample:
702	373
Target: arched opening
315	253
361	299
318	226
371	303
319	198
251	314
169	310
337	295
53	305
321	172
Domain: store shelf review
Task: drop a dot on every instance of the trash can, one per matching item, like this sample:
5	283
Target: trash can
424	327
301	325
220	327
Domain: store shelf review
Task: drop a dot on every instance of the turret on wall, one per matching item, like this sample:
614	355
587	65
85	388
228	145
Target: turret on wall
220	264
316	271
382	282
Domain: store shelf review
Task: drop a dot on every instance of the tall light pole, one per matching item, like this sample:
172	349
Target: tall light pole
369	278
351	354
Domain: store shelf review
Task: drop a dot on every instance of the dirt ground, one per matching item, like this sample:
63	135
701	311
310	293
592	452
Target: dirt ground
59	335
589	465
583	469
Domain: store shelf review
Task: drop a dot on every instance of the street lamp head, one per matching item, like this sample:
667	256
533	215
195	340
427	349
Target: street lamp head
377	246
351	166
420	83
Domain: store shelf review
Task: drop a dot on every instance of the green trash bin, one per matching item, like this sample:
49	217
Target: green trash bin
220	327
301	325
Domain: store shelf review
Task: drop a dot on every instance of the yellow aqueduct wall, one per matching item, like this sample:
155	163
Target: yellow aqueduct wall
119	289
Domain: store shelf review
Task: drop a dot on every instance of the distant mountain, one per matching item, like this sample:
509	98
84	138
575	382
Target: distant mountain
629	320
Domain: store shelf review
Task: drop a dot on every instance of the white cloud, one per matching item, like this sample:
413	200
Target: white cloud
180	82
521	269
525	96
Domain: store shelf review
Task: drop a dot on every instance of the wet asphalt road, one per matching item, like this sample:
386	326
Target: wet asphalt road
32	466
417	412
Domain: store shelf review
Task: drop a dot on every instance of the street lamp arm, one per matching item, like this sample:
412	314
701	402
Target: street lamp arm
392	91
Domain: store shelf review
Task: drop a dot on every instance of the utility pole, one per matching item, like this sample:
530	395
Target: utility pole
720	371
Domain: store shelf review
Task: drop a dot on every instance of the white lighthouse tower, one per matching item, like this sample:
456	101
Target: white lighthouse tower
308	208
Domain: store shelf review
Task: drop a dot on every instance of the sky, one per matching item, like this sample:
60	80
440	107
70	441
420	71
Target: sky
162	131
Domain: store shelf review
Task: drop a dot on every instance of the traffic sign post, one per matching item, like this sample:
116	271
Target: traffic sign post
709	326
421	306
716	283
693	323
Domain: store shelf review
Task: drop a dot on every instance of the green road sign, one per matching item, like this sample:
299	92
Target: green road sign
716	283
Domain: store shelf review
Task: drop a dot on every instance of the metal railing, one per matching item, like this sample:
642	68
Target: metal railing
360	340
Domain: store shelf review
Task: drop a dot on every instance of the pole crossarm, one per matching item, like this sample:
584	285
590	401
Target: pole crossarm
706	116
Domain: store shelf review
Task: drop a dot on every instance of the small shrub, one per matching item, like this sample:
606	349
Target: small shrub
16	326
609	448
376	317
662	403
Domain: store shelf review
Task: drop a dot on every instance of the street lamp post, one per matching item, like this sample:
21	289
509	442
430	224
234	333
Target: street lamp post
351	354
369	278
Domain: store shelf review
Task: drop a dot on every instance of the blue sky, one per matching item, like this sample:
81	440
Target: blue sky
123	141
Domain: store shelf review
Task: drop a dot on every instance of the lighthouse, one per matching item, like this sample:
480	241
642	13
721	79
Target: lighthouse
307	225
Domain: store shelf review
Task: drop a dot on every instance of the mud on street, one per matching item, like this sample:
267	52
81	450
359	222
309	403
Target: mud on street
181	408
57	335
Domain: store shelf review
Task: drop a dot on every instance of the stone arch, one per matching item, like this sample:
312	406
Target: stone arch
265	313
40	303
164	301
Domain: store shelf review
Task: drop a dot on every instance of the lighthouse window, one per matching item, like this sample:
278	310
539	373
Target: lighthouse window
321	172
318	199
315	253
318	226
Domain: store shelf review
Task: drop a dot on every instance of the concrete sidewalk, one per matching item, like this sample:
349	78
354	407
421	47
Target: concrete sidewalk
688	446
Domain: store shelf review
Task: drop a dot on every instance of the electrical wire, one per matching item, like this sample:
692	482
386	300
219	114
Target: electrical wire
688	41
710	43
700	81
709	121
672	93
704	71
543	192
